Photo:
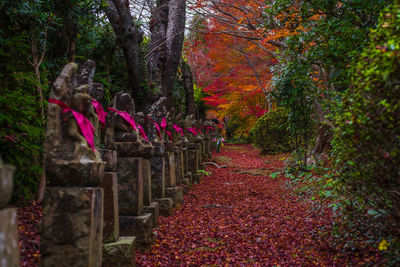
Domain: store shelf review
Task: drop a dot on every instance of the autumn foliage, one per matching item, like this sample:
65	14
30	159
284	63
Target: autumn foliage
232	53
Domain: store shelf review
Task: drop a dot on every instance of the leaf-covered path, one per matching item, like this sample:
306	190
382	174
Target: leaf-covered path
240	215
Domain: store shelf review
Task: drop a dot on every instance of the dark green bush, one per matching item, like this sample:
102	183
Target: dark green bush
366	144
271	134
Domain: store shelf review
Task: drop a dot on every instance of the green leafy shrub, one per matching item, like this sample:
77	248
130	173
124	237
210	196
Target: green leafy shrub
21	137
271	134
366	144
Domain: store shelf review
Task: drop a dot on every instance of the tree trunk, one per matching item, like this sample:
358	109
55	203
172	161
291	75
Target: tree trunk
322	144
187	78
72	35
157	54
128	38
325	127
36	63
175	33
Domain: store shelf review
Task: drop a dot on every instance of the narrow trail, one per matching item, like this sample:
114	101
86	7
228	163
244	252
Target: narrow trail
240	216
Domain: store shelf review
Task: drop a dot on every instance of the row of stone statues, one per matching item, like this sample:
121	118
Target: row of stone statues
102	201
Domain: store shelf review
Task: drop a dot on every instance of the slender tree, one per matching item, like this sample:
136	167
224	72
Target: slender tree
187	81
129	38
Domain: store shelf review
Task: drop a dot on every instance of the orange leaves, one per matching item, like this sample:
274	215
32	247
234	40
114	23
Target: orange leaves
232	55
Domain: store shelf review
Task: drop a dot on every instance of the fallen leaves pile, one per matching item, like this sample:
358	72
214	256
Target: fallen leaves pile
28	233
232	218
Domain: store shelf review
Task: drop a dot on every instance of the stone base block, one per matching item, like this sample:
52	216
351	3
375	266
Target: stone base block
111	224
146	182
130	186
186	189
9	255
166	206
139	226
120	253
193	160
175	193
133	149
6	183
188	179
157	177
197	178
110	157
170	169
77	173
154	209
72	227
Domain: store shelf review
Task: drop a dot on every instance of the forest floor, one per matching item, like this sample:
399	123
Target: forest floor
241	216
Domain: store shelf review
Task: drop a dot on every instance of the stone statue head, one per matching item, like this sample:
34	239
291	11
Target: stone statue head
97	91
125	103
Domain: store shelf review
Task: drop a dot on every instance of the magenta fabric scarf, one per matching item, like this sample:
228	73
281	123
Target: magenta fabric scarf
100	112
128	118
84	124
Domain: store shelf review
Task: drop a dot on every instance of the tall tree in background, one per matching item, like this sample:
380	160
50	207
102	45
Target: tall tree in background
188	85
167	34
129	38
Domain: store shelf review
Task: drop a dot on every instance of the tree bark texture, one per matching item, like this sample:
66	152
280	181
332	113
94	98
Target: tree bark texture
128	38
175	34
157	56
187	78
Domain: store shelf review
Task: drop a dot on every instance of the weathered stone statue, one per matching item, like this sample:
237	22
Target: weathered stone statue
122	134
188	124
69	158
9	255
158	165
71	231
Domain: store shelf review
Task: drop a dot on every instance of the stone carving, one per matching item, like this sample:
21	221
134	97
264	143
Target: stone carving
121	130
119	133
156	112
9	255
86	74
188	123
70	161
72	227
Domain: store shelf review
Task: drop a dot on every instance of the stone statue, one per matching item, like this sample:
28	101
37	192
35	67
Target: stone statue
189	123
70	159
156	112
122	130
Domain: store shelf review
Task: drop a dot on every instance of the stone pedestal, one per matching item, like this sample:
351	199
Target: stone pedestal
179	166
157	176
120	253
111	222
153	209
166	206
139	226
196	178
185	162
9	256
6	183
82	173
193	158
175	193
130	186
133	149
73	223
110	158
170	175
146	182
